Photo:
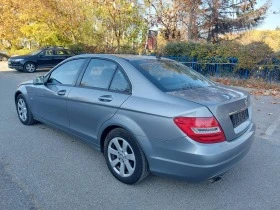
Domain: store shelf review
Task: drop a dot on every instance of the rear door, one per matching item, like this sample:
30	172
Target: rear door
50	99
100	92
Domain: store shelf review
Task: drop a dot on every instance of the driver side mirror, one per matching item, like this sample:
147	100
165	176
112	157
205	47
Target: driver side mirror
39	80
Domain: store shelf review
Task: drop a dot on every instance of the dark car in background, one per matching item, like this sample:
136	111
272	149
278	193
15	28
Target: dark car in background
44	58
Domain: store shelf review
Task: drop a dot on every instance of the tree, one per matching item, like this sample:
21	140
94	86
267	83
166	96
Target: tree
105	24
121	20
10	22
166	14
229	16
207	19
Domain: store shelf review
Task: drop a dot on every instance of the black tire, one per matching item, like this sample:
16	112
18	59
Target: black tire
29	67
141	170
29	120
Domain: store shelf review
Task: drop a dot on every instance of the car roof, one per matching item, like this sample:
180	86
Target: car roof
124	56
53	48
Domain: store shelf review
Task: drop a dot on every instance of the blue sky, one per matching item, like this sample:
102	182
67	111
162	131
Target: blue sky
272	20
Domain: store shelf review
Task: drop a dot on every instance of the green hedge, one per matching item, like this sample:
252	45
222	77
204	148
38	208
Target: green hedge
249	56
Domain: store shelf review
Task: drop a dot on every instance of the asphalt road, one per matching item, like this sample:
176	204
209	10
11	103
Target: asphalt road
43	168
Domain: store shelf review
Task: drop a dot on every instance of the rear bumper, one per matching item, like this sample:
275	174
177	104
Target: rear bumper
192	161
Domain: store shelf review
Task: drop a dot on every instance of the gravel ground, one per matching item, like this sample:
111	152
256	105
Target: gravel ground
44	168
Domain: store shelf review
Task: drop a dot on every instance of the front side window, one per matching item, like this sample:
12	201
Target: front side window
66	73
170	75
99	74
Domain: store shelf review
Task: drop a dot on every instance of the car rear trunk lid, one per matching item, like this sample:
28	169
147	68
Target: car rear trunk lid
230	107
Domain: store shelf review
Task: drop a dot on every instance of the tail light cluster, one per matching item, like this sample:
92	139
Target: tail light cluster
205	130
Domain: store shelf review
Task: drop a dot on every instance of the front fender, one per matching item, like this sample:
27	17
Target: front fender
21	90
26	91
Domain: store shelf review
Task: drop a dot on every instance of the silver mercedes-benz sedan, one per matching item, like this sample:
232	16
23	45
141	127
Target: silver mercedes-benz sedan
146	114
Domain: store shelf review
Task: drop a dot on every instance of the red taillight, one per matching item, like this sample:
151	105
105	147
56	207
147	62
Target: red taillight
205	130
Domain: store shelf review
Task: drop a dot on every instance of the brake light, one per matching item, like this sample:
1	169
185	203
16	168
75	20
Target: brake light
205	130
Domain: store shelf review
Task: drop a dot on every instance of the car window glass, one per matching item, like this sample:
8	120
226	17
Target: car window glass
170	75
47	53
68	52
66	73
99	74
61	52
119	82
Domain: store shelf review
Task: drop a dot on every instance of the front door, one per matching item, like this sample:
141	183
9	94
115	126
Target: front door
50	99
46	59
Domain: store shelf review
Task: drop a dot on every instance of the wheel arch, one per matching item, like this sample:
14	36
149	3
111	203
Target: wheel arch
18	92
31	61
21	90
131	126
104	133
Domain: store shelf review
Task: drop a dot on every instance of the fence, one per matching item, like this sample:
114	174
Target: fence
269	73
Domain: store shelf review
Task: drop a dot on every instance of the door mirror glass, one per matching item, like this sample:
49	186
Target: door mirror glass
39	80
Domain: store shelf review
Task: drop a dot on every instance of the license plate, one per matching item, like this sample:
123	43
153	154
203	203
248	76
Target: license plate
239	117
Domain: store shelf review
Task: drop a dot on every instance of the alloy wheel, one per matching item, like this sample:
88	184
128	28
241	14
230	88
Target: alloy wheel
22	109
30	67
121	157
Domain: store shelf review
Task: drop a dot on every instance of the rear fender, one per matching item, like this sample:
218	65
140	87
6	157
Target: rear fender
131	126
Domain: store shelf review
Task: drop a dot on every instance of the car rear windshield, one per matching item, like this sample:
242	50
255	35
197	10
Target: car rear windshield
170	75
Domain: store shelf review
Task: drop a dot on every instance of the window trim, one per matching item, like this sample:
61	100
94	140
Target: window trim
79	80
47	76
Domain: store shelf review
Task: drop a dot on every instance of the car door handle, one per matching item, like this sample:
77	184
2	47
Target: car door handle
105	98
61	92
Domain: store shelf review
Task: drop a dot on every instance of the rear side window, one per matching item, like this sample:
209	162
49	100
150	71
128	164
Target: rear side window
66	73
119	82
68	52
63	52
170	75
99	74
